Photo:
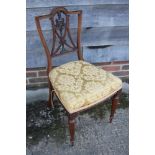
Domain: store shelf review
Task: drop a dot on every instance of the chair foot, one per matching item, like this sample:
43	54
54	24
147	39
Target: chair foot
72	143
71	123
115	101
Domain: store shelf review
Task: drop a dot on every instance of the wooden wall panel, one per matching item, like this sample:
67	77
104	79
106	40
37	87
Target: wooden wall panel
104	30
38	59
89	37
91	54
106	53
93	16
49	3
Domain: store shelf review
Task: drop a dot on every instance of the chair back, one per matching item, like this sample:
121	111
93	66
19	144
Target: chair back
62	41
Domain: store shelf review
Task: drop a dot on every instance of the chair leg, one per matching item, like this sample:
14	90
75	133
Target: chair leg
51	94
71	123
115	101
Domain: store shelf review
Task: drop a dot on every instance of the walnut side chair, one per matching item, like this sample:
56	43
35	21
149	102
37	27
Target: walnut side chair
78	85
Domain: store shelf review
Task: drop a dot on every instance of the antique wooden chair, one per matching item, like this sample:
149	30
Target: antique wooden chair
78	85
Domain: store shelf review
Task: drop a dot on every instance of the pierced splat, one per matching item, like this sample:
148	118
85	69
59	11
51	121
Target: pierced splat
60	23
62	40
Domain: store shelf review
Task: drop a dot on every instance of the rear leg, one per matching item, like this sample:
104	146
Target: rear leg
115	101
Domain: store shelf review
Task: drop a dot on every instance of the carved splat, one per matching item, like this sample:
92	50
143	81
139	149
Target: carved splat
62	39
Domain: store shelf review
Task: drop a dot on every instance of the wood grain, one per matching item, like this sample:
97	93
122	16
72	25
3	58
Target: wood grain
94	55
106	54
104	35
49	3
102	15
89	37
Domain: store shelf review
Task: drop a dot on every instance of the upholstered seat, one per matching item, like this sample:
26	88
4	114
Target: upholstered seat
79	84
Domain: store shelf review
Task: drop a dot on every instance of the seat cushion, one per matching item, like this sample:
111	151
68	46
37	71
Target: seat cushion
79	84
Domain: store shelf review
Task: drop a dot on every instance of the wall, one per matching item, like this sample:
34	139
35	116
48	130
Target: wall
104	33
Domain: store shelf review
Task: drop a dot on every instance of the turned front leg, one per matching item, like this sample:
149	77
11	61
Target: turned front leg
71	123
115	101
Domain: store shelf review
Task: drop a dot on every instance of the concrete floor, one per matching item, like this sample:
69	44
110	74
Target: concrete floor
47	130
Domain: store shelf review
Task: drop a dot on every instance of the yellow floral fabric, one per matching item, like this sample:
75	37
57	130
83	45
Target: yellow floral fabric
79	84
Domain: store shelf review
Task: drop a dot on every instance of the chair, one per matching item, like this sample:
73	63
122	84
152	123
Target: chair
78	85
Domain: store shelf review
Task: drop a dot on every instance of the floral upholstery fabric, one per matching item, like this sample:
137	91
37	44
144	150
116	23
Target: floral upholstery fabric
79	84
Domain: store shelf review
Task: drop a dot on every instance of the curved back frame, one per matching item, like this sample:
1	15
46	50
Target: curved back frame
59	18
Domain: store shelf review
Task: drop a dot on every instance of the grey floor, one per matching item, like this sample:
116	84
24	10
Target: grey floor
47	130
